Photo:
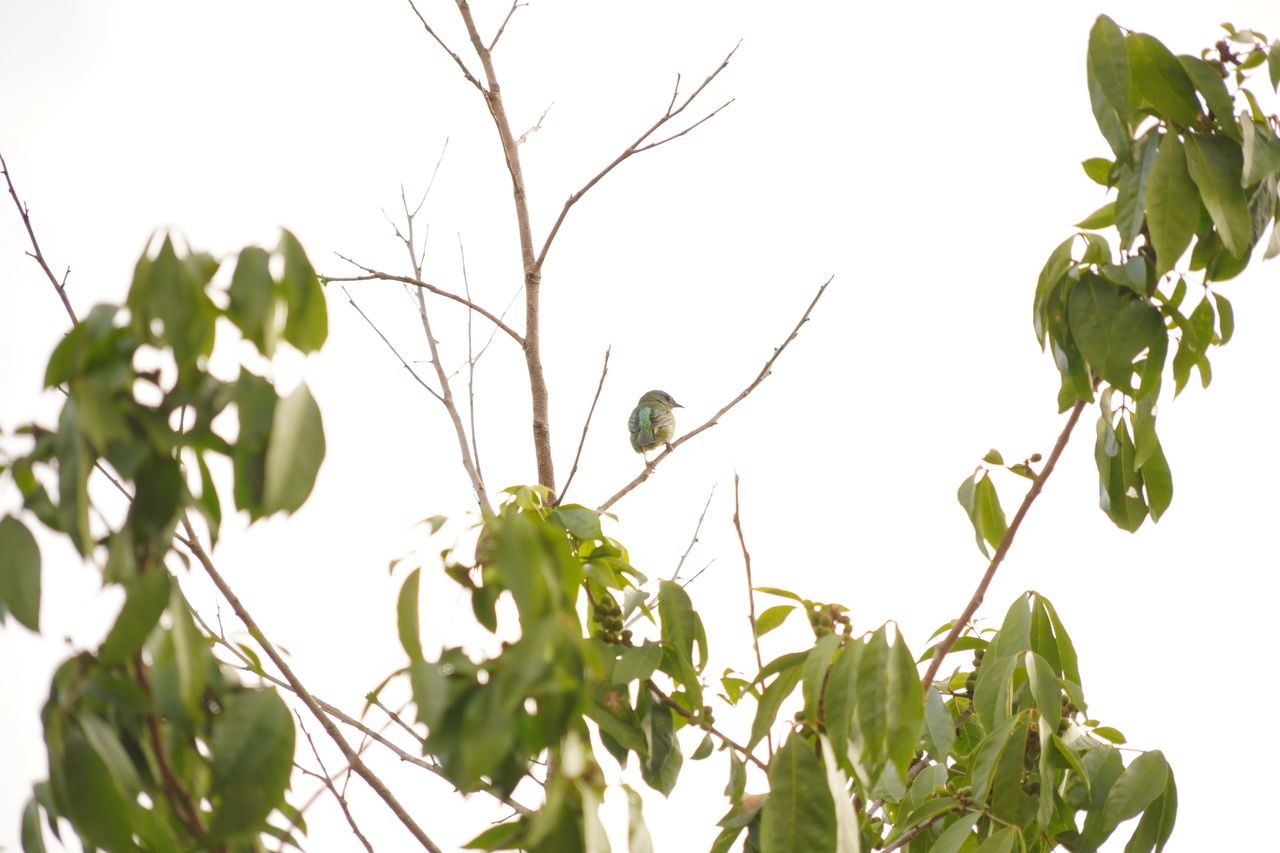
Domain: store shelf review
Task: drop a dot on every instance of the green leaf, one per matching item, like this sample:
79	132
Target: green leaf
1044	688
1111	331
1226	318
1120	483
159	494
999	842
1161	80
306	322
190	654
407	618
1108	66
1103	217
582	523
146	597
956	834
1157	822
770	699
1099	170
1109	733
1141	782
636	662
1158	481
1131	190
1173	204
772	617
1261	152
210	504
939	725
74	463
1210	86
1051	275
252	299
252	759
1215	165
256	402
19	573
32	837
295	450
904	706
1273	64
87	793
660	768
799	814
982	504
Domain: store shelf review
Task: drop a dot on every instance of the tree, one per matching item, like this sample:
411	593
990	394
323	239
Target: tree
1086	312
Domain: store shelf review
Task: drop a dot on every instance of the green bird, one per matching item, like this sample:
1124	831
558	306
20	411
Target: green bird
652	424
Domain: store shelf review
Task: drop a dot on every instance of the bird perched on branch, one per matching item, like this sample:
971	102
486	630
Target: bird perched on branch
652	424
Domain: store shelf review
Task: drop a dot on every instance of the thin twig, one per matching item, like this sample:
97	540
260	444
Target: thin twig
751	586
505	21
328	783
372	275
639	145
466	72
36	253
944	648
391	347
192	543
604	371
675	706
636	617
764	373
472	358
477	484
906	837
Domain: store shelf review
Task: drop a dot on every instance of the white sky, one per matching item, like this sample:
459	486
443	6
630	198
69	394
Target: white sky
925	154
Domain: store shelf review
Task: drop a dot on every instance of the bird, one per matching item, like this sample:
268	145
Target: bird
652	424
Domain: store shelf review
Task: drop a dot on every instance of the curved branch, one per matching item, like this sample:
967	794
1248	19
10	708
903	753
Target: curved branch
764	373
375	275
942	649
639	145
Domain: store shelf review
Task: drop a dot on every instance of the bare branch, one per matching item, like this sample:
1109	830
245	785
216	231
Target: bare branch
36	253
462	66
944	648
694	540
391	347
751	586
524	137
764	373
472	358
505	21
375	275
328	783
639	145
604	371
193	545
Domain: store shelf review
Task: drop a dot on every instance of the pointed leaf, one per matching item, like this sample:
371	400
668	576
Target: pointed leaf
1173	204
295	450
306	322
146	597
1161	80
799	814
1141	782
19	572
252	759
407	617
1215	164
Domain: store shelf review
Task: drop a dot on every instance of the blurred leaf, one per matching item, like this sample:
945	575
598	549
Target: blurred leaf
1103	217
1226	317
407	617
799	814
252	299
295	450
87	794
1158	481
74	464
848	839
1108	733
904	706
32	838
19	573
956	834
1215	165
252	758
1098	169
1157	822
638	840
636	662
1273	64
256	402
190	654
1173	204
210	504
158	497
146	597
1261	152
306	322
773	617
999	842
993	457
583	524
1161	80
1131	189
1120	483
1044	688
1109	80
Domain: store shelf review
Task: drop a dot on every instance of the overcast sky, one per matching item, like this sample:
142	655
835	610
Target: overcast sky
926	155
